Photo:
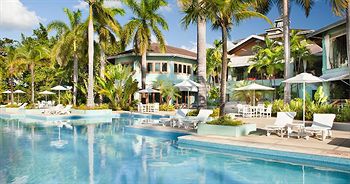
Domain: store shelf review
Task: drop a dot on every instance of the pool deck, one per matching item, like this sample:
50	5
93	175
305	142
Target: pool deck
337	146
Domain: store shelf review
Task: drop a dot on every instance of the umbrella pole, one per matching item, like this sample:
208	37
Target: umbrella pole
304	103
188	99
254	99
59	97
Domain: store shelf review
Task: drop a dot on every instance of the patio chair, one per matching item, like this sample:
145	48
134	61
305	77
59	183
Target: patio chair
23	106
172	121
65	110
240	109
266	112
53	110
193	122
281	125
322	124
247	112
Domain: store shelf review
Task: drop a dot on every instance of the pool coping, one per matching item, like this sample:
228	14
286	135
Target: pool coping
194	142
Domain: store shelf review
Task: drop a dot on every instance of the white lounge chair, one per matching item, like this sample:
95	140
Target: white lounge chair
65	110
53	110
193	122
283	120
23	106
322	124
180	114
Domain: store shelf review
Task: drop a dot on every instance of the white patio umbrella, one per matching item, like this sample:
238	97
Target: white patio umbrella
46	93
7	92
148	91
188	85
303	78
18	92
254	87
59	89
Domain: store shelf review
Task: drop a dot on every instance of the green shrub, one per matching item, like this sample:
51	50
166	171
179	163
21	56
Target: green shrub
215	113
12	106
96	107
30	106
225	121
193	112
166	107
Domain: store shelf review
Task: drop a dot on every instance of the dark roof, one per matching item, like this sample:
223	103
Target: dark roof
155	48
327	28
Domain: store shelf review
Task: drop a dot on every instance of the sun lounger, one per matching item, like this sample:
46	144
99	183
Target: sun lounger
192	122
65	110
180	113
23	106
53	110
283	120
322	124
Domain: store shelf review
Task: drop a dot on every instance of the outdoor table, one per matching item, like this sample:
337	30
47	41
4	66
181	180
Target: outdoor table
300	128
255	110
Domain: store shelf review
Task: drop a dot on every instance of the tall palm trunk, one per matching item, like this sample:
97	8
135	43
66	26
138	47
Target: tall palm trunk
102	69
75	78
90	100
143	68
286	40
348	33
223	71
201	56
32	80
11	87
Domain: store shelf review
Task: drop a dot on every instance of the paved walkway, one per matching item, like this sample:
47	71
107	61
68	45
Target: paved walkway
337	146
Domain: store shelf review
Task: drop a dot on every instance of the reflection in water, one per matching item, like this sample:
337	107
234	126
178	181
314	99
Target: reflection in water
127	157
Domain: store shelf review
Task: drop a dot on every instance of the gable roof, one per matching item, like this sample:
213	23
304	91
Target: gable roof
154	50
241	42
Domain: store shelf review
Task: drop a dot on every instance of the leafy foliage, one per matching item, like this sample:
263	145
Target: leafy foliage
166	107
167	90
97	107
225	121
118	86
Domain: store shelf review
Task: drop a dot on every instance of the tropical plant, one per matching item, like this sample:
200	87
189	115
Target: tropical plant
31	52
223	15
246	96
146	21
69	36
192	15
299	51
268	59
213	65
118	86
105	17
320	97
264	6
167	90
225	121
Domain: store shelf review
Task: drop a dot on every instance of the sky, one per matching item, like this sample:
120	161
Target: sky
21	16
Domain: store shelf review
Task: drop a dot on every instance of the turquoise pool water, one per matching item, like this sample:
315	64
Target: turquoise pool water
106	152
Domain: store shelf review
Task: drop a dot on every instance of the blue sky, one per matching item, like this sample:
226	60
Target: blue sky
20	16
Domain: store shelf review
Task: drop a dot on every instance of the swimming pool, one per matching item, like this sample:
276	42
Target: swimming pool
107	152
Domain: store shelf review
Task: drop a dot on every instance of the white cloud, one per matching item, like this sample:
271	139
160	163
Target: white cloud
82	5
193	46
113	3
15	16
167	8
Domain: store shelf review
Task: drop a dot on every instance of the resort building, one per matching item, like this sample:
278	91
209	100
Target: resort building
241	54
335	64
175	65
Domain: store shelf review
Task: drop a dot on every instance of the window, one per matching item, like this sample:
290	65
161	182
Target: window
149	67
164	67
175	68
184	69
180	68
188	69
338	56
157	67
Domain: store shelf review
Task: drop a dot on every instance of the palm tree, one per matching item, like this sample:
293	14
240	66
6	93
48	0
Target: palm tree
268	60
139	29
107	38
192	17
264	6
299	51
223	15
342	8
32	53
167	90
14	68
68	38
213	65
104	16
